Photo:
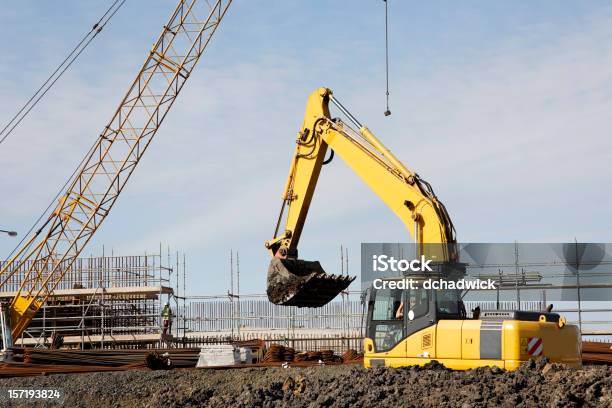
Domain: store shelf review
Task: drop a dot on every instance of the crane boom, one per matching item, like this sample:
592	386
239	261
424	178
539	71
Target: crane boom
102	175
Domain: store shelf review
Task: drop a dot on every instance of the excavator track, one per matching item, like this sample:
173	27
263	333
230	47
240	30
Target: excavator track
295	282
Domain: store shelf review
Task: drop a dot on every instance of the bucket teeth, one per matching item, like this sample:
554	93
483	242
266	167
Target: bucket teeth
295	282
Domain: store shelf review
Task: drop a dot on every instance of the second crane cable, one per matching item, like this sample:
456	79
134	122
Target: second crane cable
66	63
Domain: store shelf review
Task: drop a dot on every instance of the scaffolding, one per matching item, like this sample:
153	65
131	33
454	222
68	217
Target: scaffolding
103	302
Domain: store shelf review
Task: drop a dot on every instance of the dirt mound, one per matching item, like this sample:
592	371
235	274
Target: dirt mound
533	384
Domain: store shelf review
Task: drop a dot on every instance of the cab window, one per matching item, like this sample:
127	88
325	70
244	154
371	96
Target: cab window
419	302
385	329
448	303
386	303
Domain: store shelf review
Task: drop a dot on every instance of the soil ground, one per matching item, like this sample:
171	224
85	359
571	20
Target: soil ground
534	384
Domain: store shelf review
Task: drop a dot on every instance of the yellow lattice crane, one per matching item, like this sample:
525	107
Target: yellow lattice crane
107	166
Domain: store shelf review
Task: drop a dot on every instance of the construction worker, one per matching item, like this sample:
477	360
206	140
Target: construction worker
166	319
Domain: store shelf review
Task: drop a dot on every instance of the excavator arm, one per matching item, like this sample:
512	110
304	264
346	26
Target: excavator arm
295	282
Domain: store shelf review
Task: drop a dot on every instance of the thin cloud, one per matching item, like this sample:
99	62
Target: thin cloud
514	140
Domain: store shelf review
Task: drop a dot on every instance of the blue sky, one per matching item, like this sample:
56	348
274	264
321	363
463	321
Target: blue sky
503	106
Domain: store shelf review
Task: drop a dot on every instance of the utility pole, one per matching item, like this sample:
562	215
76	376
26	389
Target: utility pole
184	299
231	292
516	275
578	284
238	289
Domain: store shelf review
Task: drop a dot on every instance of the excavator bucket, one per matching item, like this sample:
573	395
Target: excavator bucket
294	282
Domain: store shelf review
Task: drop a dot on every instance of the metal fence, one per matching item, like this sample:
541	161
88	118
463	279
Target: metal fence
222	315
302	342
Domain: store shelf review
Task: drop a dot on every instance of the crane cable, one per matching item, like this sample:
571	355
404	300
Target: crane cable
387	111
97	27
59	71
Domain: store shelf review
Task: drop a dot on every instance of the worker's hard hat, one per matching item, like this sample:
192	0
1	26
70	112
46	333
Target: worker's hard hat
167	304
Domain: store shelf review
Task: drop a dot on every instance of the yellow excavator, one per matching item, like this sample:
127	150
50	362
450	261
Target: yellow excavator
405	326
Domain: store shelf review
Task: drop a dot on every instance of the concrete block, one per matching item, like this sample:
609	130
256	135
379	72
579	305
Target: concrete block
218	355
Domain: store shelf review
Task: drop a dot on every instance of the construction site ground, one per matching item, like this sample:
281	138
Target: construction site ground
536	383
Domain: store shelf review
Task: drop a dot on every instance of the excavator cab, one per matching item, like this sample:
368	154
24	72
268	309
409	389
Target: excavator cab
396	313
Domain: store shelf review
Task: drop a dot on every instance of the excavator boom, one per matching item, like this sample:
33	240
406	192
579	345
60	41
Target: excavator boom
295	282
